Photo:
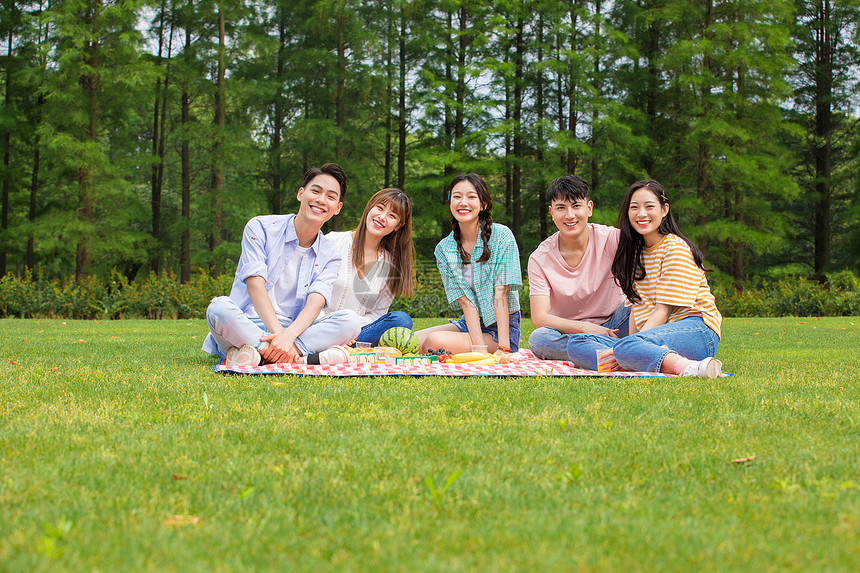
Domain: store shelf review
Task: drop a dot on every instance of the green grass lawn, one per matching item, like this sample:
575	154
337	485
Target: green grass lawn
109	430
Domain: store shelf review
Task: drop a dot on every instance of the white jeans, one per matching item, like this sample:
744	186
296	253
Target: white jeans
229	326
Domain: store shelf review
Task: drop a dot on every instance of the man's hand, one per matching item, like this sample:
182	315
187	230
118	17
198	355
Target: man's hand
591	328
281	347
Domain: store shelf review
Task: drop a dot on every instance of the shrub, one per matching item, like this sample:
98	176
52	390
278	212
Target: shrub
156	296
162	296
429	298
793	296
431	301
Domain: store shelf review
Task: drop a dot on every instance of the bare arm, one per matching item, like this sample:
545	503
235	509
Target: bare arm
262	303
541	317
503	322
659	316
473	319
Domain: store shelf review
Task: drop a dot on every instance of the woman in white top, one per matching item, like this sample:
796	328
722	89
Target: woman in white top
377	264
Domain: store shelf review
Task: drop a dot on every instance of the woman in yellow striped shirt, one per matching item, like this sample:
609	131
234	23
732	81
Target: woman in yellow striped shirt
675	324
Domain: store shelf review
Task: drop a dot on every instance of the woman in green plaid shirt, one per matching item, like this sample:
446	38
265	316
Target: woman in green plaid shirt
480	267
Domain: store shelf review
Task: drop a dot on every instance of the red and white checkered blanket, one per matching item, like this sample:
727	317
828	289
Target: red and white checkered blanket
531	366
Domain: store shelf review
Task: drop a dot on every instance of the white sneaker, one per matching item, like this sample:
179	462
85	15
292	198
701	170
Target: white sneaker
334	355
707	368
245	356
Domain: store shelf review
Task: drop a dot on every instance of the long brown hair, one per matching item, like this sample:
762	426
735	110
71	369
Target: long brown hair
398	243
485	215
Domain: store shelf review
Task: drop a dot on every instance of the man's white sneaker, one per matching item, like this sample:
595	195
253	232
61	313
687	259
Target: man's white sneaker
245	356
334	355
708	368
331	355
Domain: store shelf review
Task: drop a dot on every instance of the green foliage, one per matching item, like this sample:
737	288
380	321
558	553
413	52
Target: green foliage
714	100
163	296
430	300
154	296
793	296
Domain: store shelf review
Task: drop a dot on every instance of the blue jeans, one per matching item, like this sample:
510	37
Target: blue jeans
493	329
229	326
645	351
373	332
549	344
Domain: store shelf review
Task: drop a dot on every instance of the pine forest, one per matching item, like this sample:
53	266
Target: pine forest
139	136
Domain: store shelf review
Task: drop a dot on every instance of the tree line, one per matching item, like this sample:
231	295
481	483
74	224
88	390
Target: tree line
141	135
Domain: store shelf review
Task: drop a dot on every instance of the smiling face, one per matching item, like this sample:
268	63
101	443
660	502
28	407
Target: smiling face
465	203
571	216
645	214
320	199
381	220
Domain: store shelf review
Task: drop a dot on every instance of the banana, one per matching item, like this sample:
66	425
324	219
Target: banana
478	358
469	356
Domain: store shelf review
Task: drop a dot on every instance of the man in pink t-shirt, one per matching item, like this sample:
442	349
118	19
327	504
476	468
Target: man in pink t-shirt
571	287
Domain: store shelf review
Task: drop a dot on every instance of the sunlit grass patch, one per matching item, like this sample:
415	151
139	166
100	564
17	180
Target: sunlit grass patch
122	449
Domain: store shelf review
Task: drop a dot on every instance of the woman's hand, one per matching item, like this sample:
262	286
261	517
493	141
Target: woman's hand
606	361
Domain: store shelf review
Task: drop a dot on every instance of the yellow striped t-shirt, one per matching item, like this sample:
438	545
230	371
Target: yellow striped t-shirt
672	278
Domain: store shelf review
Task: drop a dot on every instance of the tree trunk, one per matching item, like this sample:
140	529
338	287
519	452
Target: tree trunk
449	121
737	245
572	114
516	222
541	181
277	195
651	98
559	92
597	87
509	144
340	104
31	214
401	113
7	155
158	164
823	146
185	236
703	159
389	96
218	151
34	176
86	177
459	124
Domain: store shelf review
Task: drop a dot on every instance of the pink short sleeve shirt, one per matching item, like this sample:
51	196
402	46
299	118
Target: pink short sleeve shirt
587	292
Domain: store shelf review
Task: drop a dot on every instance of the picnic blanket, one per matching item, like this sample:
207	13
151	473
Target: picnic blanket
531	366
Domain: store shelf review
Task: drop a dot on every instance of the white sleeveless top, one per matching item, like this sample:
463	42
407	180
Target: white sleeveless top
367	296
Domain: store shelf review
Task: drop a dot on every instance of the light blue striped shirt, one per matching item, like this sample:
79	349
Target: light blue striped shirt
268	244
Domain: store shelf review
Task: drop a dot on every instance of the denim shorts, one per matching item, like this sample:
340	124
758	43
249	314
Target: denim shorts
493	329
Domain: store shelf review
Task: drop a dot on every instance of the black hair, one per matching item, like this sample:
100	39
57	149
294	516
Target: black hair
332	169
485	215
627	265
568	188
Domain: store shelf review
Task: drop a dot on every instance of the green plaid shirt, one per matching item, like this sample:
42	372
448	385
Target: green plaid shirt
503	268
